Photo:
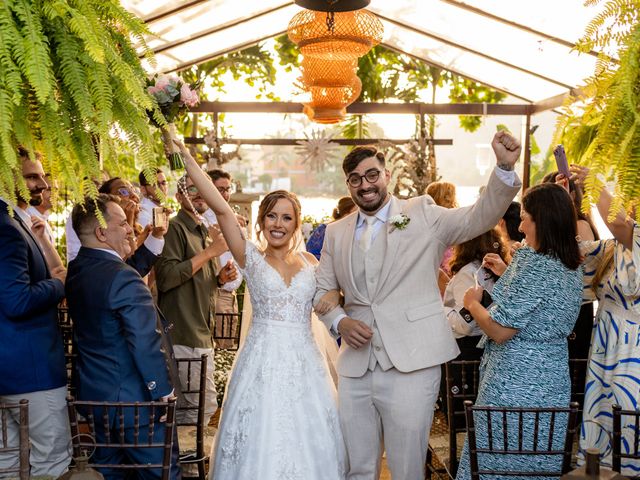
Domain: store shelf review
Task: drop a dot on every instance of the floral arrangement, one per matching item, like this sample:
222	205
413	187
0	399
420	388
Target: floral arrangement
309	224
174	97
223	361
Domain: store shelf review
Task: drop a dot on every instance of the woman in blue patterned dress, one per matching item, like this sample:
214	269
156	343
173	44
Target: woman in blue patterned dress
535	306
613	376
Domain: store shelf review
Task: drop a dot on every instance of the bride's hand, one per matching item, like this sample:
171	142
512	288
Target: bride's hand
327	302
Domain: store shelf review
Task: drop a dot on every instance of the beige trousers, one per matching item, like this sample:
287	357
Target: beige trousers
388	406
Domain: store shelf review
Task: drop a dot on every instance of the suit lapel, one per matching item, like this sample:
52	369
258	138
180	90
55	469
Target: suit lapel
32	240
393	242
347	249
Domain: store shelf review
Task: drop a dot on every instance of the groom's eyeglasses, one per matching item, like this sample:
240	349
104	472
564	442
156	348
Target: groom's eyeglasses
354	180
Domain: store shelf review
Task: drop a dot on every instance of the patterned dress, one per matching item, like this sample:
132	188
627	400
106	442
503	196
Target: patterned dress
540	297
614	364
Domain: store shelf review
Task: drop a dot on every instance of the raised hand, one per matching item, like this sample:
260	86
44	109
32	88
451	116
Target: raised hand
228	273
218	245
327	302
354	332
471	296
494	262
507	149
38	228
578	174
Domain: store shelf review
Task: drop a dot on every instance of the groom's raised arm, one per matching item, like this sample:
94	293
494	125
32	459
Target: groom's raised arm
326	281
457	225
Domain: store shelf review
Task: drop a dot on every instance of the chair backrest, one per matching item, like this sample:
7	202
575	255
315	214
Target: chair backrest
226	331
507	430
578	375
196	369
19	413
123	425
632	420
65	324
461	379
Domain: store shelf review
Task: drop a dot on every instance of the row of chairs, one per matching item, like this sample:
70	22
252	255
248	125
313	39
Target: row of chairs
462	379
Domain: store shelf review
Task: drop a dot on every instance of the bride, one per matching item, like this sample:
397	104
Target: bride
280	420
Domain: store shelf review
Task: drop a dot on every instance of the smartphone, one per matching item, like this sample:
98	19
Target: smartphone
561	161
159	217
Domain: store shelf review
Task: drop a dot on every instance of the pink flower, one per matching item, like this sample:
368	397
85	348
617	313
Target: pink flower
188	96
162	82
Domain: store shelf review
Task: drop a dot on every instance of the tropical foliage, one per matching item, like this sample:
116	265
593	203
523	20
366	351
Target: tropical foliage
73	88
603	130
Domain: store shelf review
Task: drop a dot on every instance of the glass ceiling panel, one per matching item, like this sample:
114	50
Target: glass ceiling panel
565	19
470	65
225	40
205	17
146	9
511	45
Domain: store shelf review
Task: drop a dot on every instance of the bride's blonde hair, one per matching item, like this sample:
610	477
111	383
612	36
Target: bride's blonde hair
267	204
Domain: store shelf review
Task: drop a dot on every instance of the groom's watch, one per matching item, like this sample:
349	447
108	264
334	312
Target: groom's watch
466	315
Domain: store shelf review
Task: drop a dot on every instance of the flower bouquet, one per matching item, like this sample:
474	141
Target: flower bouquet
174	97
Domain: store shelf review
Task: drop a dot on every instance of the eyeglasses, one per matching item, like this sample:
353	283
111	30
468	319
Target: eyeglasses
225	189
192	190
125	192
354	180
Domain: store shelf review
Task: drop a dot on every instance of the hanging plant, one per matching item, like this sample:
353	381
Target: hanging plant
73	88
604	131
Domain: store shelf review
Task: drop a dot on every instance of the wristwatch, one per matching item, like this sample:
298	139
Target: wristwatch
466	314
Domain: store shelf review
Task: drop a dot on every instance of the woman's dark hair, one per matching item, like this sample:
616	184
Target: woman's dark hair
106	186
476	248
576	196
344	207
512	220
554	215
358	154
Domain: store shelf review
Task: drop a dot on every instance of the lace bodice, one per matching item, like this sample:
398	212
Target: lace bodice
272	300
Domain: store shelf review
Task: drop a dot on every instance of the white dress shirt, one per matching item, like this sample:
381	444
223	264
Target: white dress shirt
209	218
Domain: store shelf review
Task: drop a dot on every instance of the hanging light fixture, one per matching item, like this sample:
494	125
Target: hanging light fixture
332	35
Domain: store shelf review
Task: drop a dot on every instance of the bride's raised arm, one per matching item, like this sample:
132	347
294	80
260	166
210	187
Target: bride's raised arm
227	220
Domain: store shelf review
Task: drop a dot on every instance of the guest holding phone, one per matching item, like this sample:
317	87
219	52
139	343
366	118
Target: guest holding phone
535	305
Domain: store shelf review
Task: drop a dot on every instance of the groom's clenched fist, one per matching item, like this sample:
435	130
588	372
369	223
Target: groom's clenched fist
354	332
507	149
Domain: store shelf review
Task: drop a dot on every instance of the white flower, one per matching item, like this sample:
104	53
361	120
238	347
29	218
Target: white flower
306	228
399	221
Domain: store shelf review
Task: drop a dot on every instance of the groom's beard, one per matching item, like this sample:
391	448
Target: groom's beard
373	204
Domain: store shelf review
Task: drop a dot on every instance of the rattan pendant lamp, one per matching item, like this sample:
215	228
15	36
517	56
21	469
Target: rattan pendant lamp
332	35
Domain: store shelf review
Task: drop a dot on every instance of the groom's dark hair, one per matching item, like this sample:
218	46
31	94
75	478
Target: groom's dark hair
358	154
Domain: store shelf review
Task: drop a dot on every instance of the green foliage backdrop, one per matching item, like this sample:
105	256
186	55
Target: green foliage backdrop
72	87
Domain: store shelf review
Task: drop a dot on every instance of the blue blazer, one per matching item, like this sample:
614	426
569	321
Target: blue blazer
114	320
31	351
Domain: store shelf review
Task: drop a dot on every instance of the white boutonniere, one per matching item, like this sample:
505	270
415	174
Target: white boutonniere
399	221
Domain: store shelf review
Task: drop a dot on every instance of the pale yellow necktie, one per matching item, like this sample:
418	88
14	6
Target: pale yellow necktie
367	233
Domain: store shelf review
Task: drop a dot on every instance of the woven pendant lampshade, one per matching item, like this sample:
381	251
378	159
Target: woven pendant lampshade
331	41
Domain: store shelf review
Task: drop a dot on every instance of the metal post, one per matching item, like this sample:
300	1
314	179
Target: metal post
526	170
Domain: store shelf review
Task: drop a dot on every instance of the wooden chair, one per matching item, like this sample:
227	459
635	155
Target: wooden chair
461	382
578	374
109	418
65	324
22	449
633	419
504	444
195	384
226	332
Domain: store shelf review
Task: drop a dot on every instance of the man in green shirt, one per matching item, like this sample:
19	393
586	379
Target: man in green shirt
186	279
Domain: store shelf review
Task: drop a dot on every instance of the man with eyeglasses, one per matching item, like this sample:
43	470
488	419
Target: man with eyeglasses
225	300
151	198
384	259
187	283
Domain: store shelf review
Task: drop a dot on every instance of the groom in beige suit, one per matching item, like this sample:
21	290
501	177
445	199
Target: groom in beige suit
384	258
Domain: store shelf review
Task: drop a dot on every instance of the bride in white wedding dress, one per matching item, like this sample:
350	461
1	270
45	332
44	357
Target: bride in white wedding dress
280	419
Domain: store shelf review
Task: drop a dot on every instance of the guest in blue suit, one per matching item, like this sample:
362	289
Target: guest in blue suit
120	354
32	364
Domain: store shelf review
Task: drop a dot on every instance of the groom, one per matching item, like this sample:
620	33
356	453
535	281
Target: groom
384	259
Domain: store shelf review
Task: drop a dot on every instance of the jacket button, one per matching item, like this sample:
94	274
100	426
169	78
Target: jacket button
151	385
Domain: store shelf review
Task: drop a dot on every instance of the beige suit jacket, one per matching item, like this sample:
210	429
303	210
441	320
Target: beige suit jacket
406	305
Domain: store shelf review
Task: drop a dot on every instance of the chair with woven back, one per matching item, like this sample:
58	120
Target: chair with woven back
226	332
462	378
507	430
115	430
65	324
196	369
631	445
15	413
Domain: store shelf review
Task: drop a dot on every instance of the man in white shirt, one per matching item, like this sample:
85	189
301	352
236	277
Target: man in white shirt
150	195
225	301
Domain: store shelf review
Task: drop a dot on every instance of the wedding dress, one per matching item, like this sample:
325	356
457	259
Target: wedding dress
279	419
